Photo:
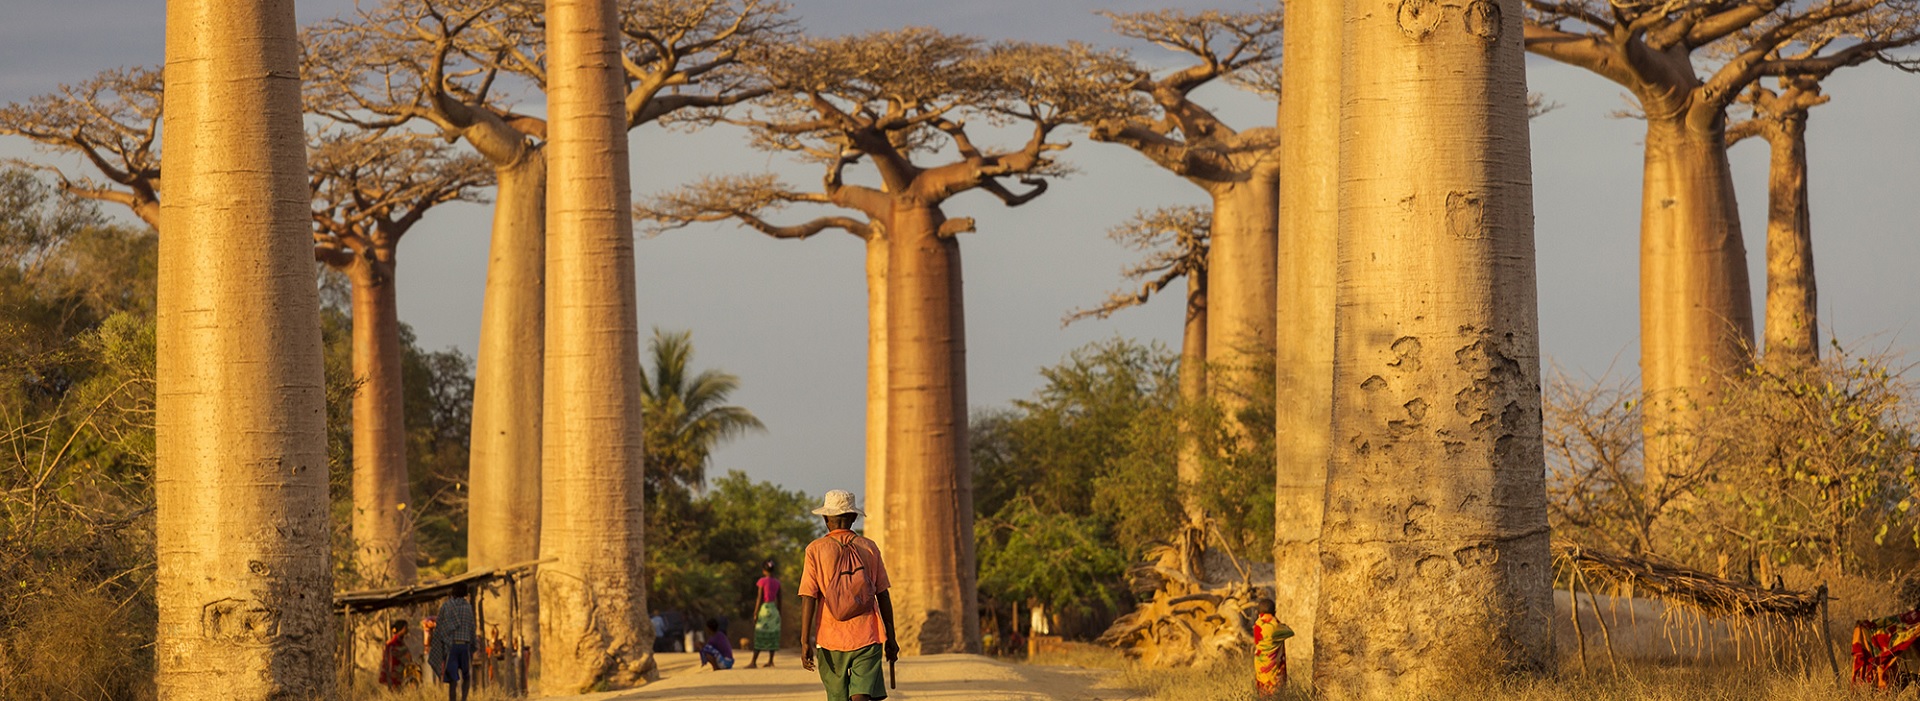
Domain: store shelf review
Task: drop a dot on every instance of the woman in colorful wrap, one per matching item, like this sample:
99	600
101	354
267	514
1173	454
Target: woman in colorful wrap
766	620
1269	652
1884	649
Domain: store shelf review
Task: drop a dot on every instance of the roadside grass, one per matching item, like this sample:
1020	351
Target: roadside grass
1634	682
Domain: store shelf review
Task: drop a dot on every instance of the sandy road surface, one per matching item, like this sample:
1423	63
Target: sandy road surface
936	677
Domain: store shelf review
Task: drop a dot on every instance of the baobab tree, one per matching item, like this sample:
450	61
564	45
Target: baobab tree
1436	498
1780	118
1309	123
1778	115
111	121
594	625
1696	314
241	466
888	100
400	63
446	63
369	190
1239	170
1176	240
748	200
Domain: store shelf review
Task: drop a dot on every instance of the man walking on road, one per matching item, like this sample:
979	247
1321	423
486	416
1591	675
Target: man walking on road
845	606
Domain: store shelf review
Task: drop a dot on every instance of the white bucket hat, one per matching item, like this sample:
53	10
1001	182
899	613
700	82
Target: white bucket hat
838	501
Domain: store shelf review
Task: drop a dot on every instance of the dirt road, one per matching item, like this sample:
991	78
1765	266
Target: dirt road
932	678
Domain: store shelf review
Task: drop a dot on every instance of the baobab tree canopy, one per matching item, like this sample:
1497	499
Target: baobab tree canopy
113	121
1239	169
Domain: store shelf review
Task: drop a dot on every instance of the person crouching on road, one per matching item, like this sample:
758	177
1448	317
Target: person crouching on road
717	651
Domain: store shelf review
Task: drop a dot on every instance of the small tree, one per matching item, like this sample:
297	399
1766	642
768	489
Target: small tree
1177	240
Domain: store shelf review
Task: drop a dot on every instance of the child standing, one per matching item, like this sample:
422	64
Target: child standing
1269	652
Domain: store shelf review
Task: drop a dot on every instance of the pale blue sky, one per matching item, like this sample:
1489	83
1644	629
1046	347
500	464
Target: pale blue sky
789	317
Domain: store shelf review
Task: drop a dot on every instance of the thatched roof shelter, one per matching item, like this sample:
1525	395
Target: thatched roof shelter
1679	586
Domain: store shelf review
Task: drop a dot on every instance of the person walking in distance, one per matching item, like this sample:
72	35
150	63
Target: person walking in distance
456	629
845	607
766	619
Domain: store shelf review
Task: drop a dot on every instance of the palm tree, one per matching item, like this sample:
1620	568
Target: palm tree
685	415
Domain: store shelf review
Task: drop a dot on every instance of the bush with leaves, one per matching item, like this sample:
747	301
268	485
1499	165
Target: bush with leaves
76	448
1815	465
1076	482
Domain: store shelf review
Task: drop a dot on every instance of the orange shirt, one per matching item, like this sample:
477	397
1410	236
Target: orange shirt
860	631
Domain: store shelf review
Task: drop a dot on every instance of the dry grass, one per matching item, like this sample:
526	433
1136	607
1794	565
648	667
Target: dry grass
367	690
1634	683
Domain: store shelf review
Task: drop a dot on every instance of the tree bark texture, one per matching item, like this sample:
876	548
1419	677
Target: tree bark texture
1241	263
878	504
1793	333
503	507
384	548
1188	463
241	474
1696	310
593	614
1303	338
1436	489
930	487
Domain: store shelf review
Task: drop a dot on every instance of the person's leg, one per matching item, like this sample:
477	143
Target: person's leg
770	654
755	662
865	681
833	672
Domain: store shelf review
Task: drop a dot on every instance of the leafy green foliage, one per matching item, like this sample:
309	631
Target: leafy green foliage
705	565
1075	483
76	448
1813	465
706	542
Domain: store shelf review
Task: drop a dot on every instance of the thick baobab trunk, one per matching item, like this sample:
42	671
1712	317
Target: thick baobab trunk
1696	315
931	563
1188	463
1303	338
1435	557
241	473
1241	262
877	476
1793	334
382	521
593	613
503	505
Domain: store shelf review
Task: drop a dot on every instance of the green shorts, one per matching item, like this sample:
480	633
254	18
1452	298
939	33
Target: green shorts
850	673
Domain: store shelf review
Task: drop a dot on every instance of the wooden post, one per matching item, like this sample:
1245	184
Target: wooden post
1606	634
350	661
1579	637
480	629
1826	633
513	635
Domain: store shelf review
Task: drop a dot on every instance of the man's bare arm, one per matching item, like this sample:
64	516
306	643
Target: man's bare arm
885	601
809	616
